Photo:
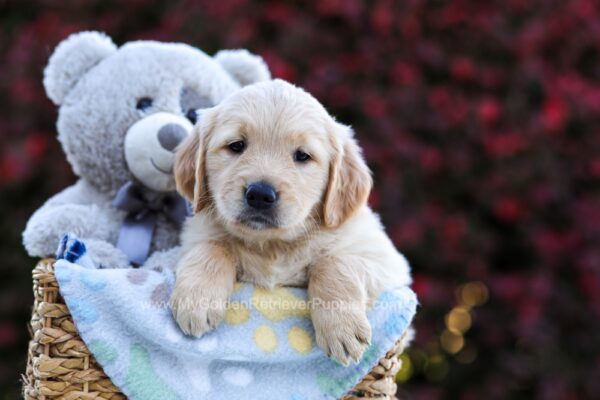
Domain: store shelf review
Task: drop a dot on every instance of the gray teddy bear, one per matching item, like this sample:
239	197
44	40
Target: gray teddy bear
122	112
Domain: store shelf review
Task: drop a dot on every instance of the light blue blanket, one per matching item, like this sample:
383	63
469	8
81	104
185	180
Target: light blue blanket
259	352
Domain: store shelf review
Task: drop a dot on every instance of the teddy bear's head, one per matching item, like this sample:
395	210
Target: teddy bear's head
123	111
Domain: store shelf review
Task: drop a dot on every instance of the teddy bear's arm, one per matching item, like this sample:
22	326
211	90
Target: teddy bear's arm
78	210
166	259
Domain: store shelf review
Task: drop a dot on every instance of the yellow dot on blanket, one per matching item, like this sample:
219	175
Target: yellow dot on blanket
265	338
237	287
279	303
236	313
300	340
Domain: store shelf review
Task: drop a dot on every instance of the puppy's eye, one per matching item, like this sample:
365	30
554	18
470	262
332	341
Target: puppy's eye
237	147
192	116
144	103
301	156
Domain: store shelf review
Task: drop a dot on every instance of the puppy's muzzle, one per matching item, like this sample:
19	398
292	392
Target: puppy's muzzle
261	196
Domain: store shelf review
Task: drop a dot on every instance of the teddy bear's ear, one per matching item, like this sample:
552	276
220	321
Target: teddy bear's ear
71	59
246	68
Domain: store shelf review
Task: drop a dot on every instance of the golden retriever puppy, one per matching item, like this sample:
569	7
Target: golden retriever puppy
280	190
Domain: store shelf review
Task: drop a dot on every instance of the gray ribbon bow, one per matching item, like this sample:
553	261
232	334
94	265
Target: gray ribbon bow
135	235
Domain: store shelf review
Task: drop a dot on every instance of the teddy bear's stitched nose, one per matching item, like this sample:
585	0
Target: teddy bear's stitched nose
171	135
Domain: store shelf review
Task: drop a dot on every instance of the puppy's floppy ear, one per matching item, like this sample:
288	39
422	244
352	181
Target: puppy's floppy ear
349	179
190	165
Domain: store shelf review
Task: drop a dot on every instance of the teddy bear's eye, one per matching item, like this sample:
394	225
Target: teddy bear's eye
301	156
144	103
192	115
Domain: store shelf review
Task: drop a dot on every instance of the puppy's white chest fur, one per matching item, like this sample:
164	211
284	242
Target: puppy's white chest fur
269	267
265	265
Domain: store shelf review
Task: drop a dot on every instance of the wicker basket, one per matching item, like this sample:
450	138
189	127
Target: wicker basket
60	366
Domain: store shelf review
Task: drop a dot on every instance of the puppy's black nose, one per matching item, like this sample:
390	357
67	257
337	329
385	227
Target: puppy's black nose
171	135
261	196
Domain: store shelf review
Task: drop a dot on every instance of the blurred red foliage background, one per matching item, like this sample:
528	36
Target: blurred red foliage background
480	120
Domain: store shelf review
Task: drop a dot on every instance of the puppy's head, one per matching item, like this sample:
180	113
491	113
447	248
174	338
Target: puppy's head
271	163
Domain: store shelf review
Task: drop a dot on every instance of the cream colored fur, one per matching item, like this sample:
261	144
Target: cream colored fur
325	238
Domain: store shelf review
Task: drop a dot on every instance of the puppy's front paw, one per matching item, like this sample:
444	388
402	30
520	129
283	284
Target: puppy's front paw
198	309
343	335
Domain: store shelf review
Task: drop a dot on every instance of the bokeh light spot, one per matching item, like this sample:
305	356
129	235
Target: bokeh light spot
406	370
467	355
473	294
436	368
458	320
452	342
